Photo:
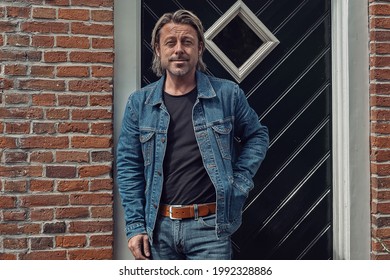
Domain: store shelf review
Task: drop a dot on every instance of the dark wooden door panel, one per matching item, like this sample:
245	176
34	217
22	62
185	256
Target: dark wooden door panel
288	214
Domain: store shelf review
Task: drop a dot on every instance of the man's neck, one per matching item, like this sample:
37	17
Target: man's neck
179	85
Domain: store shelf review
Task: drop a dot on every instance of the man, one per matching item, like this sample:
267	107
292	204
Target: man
182	179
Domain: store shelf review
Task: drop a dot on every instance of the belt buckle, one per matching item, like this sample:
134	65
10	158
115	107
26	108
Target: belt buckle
170	211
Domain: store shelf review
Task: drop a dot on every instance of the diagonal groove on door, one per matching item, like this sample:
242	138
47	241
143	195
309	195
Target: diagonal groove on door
309	210
287	54
315	240
298	79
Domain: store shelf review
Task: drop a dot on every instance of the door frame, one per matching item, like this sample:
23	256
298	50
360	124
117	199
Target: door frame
350	119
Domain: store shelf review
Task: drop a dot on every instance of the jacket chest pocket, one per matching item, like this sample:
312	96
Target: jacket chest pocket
223	136
147	139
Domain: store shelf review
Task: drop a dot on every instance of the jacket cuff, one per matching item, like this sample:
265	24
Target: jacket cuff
135	229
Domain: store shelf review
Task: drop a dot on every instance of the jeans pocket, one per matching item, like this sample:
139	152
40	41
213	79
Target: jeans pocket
208	221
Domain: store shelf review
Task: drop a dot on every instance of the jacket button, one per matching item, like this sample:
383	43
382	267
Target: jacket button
163	140
159	173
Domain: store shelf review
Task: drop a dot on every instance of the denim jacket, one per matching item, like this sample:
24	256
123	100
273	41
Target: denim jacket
231	140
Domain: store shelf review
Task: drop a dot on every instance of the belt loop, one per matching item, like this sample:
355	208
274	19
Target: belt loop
196	212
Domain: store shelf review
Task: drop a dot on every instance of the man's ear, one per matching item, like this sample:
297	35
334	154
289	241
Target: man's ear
201	46
157	49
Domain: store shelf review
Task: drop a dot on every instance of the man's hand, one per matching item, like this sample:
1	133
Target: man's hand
139	247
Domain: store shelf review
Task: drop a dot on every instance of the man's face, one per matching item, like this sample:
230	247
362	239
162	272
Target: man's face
178	49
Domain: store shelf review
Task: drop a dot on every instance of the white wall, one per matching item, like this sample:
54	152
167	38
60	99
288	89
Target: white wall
359	129
126	79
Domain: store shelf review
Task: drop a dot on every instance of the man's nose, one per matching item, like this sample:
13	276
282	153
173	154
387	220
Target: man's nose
179	48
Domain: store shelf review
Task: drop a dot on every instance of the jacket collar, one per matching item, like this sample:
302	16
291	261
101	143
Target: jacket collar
204	87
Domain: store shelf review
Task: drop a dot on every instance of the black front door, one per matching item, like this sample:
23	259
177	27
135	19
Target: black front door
289	212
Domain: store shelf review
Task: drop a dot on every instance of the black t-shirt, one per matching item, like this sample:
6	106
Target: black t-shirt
185	179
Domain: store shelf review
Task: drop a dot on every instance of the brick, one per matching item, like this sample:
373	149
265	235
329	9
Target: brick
44	99
42	243
30	229
6	26
57	114
380	48
44	27
73	127
42	71
20	55
17	127
15	70
15	186
102	71
61	171
94	171
17	40
90	226
44	255
58	227
380	23
380	74
91	85
91	254
94	3
91	57
73	71
44	200
41	185
381	233
380	61
44	128
14	215
42	41
15	157
7	142
55	56
102	15
8	256
101	100
41	156
380	114
44	13
7	201
92	29
72	186
21	171
72	156
101	184
21	113
102	43
9	228
73	100
101	240
73	14
46	142
72	212
90	142
17	99
15	243
91	199
380	169
18	12
102	212
77	241
91	114
102	156
37	84
43	214
73	42
380	9
102	128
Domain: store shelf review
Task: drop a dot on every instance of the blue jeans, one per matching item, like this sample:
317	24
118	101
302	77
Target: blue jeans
189	239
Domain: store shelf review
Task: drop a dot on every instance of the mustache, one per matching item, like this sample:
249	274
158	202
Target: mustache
178	57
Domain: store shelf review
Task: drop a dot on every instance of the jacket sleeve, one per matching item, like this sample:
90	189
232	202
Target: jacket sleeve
253	138
130	172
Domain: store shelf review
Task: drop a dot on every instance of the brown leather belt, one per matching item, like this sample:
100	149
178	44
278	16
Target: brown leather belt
178	212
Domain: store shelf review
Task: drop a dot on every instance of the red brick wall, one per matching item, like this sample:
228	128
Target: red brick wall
379	22
56	68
